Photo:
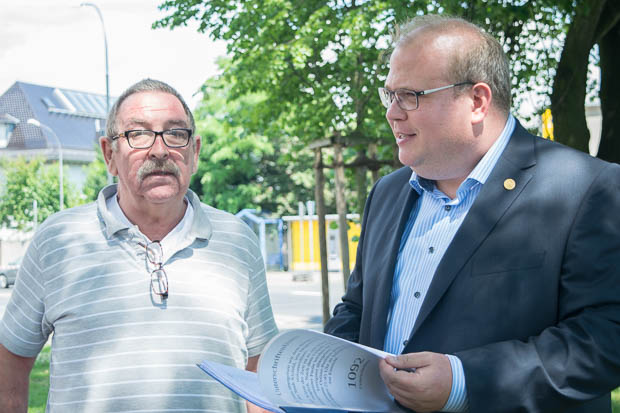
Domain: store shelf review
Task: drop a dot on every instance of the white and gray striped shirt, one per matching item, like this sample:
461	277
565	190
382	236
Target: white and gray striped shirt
116	347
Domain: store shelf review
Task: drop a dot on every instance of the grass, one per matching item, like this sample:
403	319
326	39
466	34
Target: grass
39	385
39	382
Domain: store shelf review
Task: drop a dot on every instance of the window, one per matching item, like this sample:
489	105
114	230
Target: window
6	128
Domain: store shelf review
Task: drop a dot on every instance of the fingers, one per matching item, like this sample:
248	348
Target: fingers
425	389
410	360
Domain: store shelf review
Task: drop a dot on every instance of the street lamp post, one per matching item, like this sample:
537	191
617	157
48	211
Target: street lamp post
53	134
105	44
107	75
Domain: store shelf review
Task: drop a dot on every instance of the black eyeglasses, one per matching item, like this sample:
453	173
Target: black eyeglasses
159	278
145	138
407	99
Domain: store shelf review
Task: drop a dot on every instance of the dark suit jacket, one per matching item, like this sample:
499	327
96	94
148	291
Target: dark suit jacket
528	293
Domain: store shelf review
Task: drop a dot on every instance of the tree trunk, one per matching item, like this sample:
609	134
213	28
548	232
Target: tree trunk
341	206
372	153
319	196
569	87
362	188
609	148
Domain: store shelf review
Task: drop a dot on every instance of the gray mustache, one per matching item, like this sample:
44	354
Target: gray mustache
150	166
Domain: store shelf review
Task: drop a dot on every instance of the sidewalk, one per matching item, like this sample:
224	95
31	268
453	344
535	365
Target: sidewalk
296	298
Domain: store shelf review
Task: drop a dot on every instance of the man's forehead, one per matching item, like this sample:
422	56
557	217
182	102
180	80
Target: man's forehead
144	107
425	57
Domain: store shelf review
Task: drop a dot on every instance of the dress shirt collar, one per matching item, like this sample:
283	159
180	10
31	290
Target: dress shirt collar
481	171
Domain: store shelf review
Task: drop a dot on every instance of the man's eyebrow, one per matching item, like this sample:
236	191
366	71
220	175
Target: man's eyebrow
179	123
170	123
135	121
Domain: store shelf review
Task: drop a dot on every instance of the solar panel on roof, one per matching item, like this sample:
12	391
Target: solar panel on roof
94	103
47	102
82	104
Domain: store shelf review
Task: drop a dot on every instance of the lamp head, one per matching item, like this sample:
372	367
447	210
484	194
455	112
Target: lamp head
34	122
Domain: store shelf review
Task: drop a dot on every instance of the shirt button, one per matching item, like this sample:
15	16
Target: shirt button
448	207
405	343
417	294
431	250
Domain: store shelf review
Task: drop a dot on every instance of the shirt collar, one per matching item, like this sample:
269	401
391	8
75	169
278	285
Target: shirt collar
481	171
200	227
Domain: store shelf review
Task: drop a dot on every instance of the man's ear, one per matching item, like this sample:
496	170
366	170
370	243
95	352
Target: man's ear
108	151
197	143
482	97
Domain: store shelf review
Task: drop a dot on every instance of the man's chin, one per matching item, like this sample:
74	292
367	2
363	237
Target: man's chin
162	193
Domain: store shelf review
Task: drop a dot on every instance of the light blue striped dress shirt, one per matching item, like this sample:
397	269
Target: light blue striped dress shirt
429	231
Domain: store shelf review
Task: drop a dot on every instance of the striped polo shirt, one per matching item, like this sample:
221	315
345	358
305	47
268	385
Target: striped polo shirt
117	347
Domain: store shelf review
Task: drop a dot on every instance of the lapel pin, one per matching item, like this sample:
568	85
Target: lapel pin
510	184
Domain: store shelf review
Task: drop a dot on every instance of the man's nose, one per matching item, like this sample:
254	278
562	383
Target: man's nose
394	112
159	148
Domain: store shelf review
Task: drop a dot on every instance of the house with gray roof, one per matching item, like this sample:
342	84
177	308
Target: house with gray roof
76	118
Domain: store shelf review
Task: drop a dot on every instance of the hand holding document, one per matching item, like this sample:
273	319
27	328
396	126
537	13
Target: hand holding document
307	371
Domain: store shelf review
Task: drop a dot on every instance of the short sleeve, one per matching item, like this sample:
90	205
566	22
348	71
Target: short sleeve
23	330
259	317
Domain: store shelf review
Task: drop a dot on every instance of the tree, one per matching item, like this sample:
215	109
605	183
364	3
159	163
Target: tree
28	181
608	42
593	22
319	62
96	176
317	66
244	163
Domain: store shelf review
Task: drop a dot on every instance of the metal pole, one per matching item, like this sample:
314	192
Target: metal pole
35	214
107	74
35	122
105	44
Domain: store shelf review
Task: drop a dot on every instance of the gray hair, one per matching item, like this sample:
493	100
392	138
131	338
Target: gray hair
145	85
482	60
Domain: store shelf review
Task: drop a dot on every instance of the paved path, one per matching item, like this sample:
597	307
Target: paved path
296	300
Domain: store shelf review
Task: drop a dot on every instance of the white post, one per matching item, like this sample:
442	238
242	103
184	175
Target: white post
310	210
35	214
107	74
302	253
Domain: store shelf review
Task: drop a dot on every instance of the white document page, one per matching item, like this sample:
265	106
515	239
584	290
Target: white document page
242	382
305	368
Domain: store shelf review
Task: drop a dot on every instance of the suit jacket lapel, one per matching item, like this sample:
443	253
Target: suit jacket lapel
395	225
492	202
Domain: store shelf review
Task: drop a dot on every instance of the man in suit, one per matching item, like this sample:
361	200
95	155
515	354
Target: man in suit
491	261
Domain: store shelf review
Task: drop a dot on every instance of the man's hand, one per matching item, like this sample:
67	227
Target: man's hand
252	366
252	408
427	388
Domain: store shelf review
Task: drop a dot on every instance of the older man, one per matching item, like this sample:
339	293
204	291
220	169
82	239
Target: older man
141	285
491	260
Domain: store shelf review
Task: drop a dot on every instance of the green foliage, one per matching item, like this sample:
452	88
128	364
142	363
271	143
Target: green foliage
317	64
243	162
96	176
321	61
39	382
27	181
